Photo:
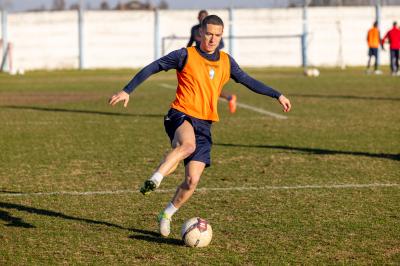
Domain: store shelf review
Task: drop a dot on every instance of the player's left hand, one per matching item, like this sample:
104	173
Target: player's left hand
120	96
285	103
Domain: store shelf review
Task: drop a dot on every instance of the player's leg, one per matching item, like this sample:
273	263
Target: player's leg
392	62
369	62
193	172
368	71
174	144
184	144
231	98
376	62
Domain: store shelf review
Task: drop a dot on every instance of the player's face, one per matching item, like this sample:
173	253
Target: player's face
211	37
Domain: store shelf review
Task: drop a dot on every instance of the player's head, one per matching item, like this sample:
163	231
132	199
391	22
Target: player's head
211	31
394	23
202	14
376	24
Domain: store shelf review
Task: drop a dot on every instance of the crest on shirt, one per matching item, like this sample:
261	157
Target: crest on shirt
212	73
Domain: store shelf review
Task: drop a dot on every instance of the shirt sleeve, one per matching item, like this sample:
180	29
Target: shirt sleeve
238	75
174	60
384	38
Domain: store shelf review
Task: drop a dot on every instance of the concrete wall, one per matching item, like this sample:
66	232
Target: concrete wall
114	39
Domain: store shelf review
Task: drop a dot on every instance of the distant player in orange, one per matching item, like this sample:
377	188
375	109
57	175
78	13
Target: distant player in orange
373	40
196	39
201	72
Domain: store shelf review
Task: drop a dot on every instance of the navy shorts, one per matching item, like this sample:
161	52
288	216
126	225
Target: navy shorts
373	52
202	131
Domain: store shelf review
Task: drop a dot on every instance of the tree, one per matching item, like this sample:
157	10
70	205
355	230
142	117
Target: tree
104	5
58	5
163	5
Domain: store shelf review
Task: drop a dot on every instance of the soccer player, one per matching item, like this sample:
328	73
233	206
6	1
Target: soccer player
393	36
201	72
373	40
196	38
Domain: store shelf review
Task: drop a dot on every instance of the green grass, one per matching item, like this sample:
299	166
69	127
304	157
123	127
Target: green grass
58	134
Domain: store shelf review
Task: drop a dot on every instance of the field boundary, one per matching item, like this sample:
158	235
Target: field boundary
206	189
241	105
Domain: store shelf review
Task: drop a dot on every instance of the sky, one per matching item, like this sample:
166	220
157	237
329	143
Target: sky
22	5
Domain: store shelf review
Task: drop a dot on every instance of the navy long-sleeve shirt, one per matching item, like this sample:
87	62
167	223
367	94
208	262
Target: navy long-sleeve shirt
177	60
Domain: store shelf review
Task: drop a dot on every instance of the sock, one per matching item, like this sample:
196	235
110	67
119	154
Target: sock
170	210
157	178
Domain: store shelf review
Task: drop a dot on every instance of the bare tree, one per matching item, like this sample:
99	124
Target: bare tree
104	5
58	5
163	5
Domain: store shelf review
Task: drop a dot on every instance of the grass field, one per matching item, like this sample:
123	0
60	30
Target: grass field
320	187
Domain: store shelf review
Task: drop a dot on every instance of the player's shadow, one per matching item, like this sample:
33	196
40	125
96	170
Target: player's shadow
6	217
19	222
346	97
157	239
77	111
9	191
14	221
318	151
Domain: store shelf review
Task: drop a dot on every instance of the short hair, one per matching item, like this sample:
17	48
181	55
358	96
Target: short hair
394	23
376	24
203	11
211	19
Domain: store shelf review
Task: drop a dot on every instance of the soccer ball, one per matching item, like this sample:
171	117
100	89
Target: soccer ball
196	232
315	72
311	72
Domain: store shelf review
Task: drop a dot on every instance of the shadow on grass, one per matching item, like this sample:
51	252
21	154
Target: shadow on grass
18	222
159	239
18	207
346	97
318	151
14	221
63	110
9	192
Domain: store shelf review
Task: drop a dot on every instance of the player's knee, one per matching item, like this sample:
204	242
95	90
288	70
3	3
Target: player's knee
190	182
188	149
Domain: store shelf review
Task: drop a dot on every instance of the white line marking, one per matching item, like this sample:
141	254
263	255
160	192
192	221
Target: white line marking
261	111
168	86
242	105
203	189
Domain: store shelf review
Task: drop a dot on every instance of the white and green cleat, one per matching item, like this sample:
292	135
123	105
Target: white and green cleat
164	223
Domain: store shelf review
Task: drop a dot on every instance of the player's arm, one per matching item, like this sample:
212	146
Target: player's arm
173	60
238	75
383	40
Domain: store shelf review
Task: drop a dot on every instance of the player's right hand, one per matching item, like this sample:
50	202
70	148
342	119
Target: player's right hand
285	103
120	96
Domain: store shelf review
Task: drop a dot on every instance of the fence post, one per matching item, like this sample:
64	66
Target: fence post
81	35
156	34
378	19
4	33
231	32
304	35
